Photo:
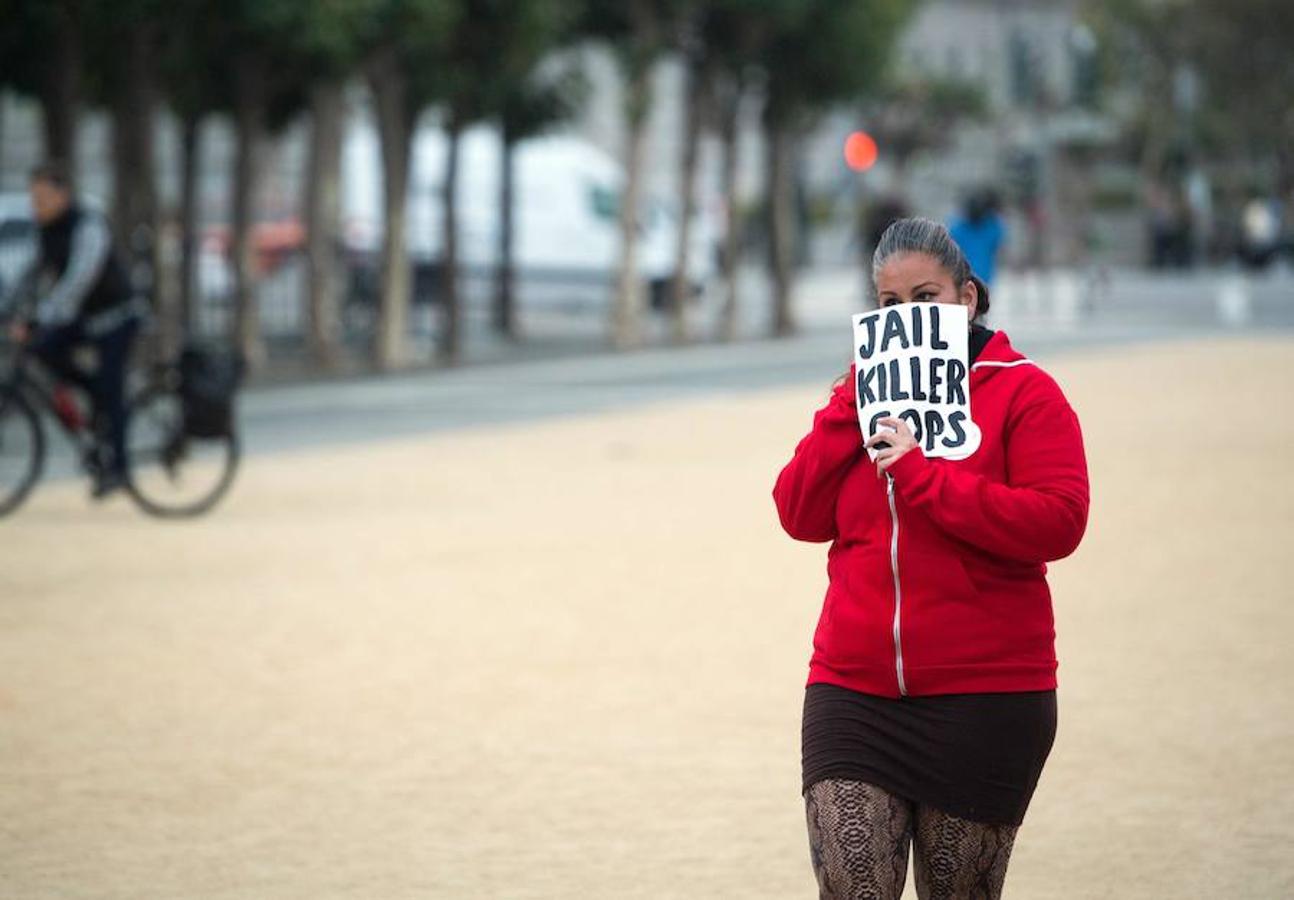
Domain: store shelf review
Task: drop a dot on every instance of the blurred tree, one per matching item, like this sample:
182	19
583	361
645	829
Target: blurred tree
638	32
826	53
267	92
465	94
1200	86
264	63
1144	43
488	53
699	66
528	101
1245	56
402	40
323	45
40	55
125	40
190	63
1212	78
733	35
234	55
487	61
921	115
531	104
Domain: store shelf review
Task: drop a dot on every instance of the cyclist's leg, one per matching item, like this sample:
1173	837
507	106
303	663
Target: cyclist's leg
54	347
108	387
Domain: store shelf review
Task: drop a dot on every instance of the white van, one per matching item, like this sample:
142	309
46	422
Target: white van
566	217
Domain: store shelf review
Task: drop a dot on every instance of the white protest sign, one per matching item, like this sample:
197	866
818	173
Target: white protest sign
911	363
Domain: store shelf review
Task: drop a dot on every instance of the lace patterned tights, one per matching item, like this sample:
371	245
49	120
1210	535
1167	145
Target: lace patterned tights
859	836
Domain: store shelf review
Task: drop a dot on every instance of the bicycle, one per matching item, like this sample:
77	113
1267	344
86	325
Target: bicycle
173	469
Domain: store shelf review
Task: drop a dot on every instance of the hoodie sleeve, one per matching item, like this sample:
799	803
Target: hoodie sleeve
1040	515
807	487
91	243
20	294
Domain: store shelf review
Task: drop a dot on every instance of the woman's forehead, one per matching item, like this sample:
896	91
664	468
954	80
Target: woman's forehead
910	270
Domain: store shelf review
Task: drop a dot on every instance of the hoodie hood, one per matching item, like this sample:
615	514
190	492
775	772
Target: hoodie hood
998	354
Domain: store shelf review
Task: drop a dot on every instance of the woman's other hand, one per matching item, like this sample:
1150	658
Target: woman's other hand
899	441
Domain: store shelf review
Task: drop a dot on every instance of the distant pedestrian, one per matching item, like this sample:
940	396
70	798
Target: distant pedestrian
1259	232
981	234
874	218
930	707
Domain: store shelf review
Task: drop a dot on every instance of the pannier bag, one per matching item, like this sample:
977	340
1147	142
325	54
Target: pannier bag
209	378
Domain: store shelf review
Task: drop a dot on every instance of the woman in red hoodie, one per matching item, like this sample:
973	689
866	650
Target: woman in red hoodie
931	699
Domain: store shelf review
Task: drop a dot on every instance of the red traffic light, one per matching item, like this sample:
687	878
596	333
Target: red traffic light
860	151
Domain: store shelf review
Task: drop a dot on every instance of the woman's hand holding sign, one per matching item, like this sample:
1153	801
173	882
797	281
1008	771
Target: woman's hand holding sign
897	442
911	362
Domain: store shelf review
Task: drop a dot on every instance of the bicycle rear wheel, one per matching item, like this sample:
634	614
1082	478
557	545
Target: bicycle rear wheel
22	451
173	474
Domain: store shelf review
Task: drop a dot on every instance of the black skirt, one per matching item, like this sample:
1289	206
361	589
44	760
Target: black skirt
975	756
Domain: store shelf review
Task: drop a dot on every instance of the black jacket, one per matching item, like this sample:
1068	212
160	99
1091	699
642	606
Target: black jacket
86	276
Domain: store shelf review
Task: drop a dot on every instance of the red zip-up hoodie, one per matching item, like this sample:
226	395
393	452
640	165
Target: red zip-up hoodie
937	572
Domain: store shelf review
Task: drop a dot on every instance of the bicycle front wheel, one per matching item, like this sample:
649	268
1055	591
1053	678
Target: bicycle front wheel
173	474
22	451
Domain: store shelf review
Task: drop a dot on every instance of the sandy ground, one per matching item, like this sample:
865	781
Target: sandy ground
567	660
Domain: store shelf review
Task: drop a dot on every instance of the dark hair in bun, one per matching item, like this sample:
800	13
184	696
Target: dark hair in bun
918	235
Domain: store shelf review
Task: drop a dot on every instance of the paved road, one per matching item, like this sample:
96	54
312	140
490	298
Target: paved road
1044	316
372	409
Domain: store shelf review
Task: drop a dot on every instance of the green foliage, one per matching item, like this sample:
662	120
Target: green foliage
493	47
30	28
414	37
284	45
829	52
1244	52
736	32
638	32
194	60
1240	51
921	115
532	104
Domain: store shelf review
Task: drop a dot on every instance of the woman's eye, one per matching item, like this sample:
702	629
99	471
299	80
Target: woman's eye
924	294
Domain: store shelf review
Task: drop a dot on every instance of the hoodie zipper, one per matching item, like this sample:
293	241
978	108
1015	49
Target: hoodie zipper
898	592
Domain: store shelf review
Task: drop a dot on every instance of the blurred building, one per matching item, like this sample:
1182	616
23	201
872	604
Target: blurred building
1024	54
1032	66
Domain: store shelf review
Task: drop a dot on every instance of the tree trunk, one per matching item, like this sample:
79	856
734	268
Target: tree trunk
395	130
505	310
323	221
681	285
628	302
249	137
1285	163
134	202
781	223
449	323
60	90
732	230
189	237
637	60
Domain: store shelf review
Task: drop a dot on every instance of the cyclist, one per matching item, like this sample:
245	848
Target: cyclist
84	298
